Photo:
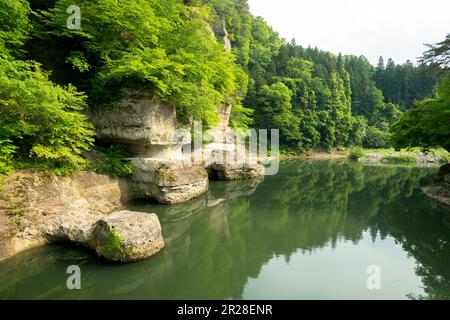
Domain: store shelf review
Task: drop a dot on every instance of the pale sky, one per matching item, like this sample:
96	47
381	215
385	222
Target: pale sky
391	28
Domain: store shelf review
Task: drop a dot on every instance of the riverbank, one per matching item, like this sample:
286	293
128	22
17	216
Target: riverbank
317	154
38	208
406	156
410	156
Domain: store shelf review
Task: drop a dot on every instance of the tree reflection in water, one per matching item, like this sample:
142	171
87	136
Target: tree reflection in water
215	243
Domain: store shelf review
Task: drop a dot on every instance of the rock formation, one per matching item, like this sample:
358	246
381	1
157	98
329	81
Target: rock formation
225	157
222	157
127	236
148	126
122	236
36	209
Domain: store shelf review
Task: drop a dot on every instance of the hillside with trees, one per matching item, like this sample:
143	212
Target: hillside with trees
50	74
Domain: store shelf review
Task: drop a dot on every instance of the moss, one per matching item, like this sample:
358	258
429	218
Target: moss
113	249
167	175
138	192
444	158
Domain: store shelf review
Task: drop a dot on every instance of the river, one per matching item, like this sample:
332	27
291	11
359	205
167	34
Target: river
316	230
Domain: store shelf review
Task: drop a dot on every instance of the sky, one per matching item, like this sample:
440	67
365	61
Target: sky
396	29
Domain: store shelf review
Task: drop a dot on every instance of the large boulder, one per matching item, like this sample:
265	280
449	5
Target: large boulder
122	236
126	236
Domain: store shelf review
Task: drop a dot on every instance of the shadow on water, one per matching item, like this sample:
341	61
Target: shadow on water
224	243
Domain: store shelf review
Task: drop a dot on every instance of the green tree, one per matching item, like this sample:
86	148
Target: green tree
274	111
427	125
14	26
40	122
161	46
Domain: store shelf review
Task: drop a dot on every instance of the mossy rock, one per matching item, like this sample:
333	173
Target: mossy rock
127	236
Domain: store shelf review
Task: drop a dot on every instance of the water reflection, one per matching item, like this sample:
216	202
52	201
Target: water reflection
218	245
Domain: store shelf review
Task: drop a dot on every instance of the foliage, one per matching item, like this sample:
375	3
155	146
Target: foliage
275	111
427	125
400	158
315	98
376	138
402	84
14	26
111	161
40	122
6	155
356	153
438	55
161	46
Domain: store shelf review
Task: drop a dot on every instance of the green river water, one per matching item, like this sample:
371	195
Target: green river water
309	232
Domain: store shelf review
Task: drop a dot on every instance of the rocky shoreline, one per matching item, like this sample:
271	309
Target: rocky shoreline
439	191
38	208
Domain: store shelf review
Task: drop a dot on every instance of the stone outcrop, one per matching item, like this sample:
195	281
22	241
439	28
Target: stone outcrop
148	127
140	119
439	191
221	32
127	236
168	181
37	208
224	158
238	171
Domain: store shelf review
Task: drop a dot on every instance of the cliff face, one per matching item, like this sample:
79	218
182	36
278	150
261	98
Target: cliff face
162	171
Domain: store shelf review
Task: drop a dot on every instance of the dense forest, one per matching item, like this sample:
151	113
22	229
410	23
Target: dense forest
50	73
